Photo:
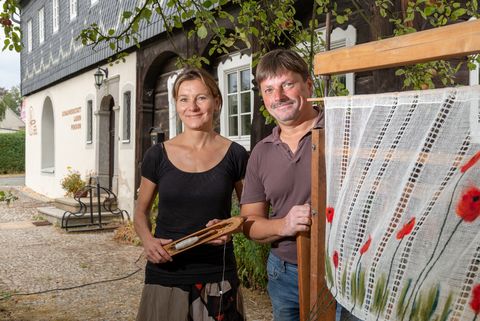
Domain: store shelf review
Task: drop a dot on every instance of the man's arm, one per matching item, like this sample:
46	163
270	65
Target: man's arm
260	228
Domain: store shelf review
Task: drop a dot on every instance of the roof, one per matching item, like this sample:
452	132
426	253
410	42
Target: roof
60	56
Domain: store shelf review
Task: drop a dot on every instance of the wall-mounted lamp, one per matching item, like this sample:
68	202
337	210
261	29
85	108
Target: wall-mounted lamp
99	75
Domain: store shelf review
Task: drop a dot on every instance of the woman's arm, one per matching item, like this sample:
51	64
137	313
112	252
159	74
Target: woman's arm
153	247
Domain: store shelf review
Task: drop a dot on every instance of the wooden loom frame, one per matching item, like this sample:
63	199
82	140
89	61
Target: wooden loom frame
456	40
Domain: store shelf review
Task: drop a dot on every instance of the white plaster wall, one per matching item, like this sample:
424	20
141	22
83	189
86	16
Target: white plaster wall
71	147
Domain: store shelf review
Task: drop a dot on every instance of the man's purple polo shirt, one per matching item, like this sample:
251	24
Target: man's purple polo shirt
281	178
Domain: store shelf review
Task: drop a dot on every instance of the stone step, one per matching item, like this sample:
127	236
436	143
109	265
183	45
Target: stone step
54	215
72	205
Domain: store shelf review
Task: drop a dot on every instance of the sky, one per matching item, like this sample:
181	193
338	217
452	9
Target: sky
9	68
9	65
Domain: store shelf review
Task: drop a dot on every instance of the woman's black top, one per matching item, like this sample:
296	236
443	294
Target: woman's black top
186	202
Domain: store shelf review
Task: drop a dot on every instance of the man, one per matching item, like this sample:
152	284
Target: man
278	174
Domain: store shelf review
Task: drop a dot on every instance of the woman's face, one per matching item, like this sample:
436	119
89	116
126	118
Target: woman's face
196	105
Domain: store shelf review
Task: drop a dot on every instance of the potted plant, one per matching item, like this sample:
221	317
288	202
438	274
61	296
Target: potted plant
73	183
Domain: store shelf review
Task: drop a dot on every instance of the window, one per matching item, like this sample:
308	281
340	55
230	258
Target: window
238	102
73	9
175	125
41	25
338	39
55	16
89	121
29	35
127	103
235	81
48	138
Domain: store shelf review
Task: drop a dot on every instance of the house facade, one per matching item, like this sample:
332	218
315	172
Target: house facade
11	122
105	131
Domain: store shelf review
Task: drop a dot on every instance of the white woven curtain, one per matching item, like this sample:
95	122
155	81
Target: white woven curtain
403	204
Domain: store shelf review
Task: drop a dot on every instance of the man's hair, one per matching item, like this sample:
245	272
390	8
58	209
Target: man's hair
278	61
191	73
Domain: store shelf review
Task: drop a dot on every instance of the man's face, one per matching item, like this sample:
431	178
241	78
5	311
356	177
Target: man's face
285	96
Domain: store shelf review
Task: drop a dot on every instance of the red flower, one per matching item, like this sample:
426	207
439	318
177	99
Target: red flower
471	162
406	229
335	259
366	245
475	303
329	213
468	207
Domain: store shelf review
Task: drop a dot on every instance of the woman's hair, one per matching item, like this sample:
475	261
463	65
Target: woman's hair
278	61
191	73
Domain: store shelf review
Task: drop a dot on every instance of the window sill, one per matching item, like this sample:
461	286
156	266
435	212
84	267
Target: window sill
48	170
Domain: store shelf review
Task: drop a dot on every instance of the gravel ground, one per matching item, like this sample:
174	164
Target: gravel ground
96	278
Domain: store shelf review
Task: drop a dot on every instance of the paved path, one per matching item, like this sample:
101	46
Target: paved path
36	259
43	258
12	180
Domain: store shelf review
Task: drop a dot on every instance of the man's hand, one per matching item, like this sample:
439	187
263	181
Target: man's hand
297	220
155	252
219	240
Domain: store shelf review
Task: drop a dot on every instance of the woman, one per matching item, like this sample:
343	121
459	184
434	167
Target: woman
194	174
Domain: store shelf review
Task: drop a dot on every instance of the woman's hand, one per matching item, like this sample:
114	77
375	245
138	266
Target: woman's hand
155	252
219	240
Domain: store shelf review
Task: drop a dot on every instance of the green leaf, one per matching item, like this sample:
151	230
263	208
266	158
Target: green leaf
429	11
112	45
353	286
328	269
202	32
446	308
111	32
361	288
400	306
378	294
459	12
344	282
340	19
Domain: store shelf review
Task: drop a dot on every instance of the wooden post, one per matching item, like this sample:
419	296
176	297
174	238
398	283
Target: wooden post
315	298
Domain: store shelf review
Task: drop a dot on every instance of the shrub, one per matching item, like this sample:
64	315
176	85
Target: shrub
7	197
251	258
72	182
12	157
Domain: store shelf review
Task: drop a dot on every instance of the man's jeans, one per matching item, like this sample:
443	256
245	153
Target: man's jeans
283	292
283	289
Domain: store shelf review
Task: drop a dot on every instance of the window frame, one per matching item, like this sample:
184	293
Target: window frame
127	117
41	25
55	16
29	36
89	118
73	9
236	62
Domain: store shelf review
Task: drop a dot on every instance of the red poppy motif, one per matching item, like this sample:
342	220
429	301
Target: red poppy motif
471	162
329	213
468	208
199	286
406	229
366	245
475	303
335	259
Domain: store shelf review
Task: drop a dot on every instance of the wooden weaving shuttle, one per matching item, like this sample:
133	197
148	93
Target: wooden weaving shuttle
205	235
